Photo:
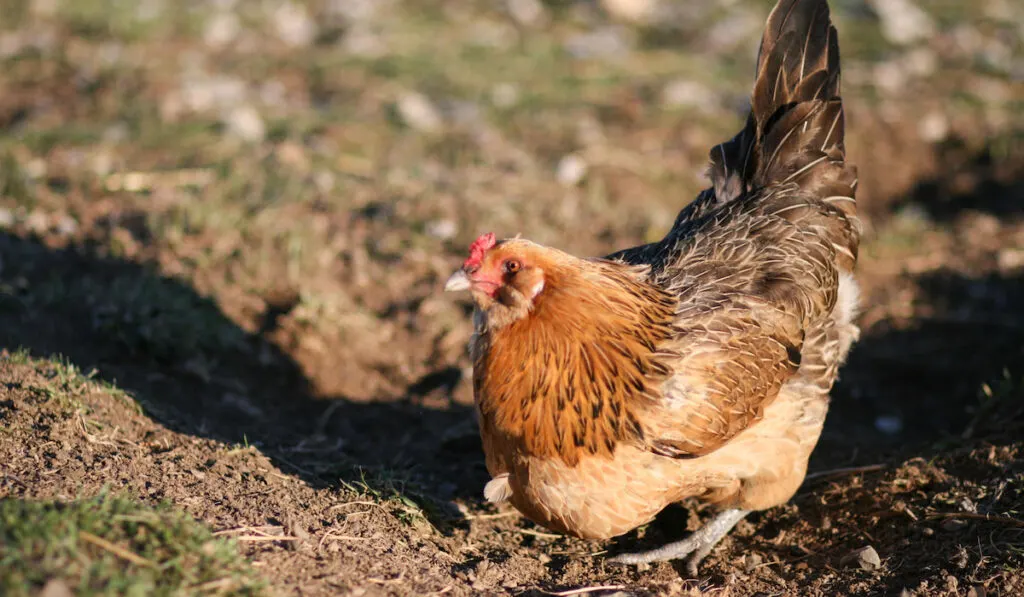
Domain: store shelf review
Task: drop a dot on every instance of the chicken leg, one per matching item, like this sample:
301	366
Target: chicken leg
694	548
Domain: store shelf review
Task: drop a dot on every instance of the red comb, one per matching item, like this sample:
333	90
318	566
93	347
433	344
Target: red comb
481	245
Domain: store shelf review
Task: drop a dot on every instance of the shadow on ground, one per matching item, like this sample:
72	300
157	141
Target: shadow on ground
197	372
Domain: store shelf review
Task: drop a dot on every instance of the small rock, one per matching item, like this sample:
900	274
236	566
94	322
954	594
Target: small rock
222	29
44	8
244	122
684	93
150	10
865	558
357	11
443	229
903	22
361	41
889	424
544	558
605	43
324	181
527	12
37	222
295	529
922	62
1010	259
294	25
934	127
729	33
889	76
505	95
952	584
419	113
571	170
56	587
634	11
461	113
7	218
953	525
66	225
751	561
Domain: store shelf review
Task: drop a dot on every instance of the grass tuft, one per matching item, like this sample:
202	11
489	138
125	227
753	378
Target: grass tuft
109	545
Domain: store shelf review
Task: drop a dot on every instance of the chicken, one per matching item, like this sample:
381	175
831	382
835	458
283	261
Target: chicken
699	366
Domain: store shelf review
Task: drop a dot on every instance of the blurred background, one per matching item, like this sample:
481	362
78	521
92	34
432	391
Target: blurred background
243	211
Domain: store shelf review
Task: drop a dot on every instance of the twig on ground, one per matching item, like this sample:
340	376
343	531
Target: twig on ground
1007	520
838	472
115	549
585	590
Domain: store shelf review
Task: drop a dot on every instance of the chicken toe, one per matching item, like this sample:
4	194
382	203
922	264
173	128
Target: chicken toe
694	548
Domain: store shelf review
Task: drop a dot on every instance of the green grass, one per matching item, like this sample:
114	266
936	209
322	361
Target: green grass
110	545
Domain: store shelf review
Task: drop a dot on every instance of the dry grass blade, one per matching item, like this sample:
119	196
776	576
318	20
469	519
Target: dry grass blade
1006	520
839	472
509	514
538	534
115	549
585	590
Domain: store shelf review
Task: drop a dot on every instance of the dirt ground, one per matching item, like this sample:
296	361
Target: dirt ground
290	369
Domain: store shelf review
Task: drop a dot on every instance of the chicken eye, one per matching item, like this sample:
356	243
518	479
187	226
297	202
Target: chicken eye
512	266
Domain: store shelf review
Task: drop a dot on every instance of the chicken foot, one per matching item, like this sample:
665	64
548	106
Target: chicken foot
694	548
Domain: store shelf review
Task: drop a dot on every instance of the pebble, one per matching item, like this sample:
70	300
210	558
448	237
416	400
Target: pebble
571	170
244	122
357	11
66	225
634	11
56	588
685	93
222	29
865	558
953	525
7	218
505	95
1010	259
37	222
903	22
605	43
443	229
527	12
889	424
294	25
934	127
361	41
751	561
418	112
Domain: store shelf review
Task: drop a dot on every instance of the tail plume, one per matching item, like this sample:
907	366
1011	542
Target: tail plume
795	130
796	113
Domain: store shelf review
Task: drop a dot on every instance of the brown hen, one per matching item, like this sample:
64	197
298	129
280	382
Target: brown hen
697	366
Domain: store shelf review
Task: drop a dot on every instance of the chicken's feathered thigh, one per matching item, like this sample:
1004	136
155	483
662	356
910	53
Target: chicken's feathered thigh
698	366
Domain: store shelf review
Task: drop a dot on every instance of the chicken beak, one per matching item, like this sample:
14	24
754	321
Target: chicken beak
459	281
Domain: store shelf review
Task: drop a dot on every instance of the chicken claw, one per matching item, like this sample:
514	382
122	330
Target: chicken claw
694	548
